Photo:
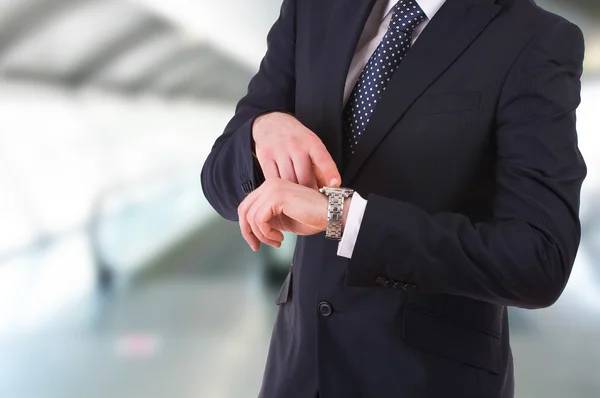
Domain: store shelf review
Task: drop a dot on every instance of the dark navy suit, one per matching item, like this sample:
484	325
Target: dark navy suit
472	173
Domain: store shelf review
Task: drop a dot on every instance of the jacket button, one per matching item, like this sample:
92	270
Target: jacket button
325	309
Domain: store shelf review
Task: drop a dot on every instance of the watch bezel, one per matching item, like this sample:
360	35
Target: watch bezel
346	192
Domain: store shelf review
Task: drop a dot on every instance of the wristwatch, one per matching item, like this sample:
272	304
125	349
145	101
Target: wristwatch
335	210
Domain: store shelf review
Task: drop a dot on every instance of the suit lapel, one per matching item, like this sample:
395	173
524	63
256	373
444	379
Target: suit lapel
345	26
455	26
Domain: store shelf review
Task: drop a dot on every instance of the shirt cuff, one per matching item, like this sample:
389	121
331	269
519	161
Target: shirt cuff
353	221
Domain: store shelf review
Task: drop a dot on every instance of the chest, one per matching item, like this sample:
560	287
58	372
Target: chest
435	123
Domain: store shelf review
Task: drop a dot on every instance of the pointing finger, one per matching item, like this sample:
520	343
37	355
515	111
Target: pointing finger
328	174
304	171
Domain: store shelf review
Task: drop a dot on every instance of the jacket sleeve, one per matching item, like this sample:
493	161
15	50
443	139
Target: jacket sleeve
523	255
231	171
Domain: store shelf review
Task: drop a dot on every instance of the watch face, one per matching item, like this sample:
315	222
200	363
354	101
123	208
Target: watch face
346	192
329	190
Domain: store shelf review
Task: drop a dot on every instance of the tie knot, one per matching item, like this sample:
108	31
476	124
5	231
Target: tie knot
407	15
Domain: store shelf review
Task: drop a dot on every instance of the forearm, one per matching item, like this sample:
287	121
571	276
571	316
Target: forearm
230	171
506	262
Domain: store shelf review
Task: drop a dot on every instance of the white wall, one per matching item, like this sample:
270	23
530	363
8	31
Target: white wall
59	151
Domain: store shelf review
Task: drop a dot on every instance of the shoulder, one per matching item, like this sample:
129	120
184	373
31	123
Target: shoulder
534	20
526	25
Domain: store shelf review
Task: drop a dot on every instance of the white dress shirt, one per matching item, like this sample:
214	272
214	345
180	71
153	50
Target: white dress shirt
372	34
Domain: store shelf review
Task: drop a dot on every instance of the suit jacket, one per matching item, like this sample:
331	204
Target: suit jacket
472	172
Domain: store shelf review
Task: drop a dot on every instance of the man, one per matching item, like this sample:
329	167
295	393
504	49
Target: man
453	123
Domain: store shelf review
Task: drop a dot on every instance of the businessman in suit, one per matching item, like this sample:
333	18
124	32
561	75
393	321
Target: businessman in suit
450	128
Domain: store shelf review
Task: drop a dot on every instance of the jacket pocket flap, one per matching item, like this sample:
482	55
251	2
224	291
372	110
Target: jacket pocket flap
447	103
435	335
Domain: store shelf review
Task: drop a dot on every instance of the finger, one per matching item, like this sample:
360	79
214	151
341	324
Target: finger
247	203
286	169
328	170
319	178
248	235
251	218
263	217
304	171
270	169
245	226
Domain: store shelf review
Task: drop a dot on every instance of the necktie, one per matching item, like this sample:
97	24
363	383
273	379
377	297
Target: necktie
376	75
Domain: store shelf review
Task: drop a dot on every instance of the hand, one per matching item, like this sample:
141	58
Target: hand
286	149
279	205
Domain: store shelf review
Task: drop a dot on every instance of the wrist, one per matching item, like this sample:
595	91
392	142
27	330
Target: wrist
257	125
338	207
261	121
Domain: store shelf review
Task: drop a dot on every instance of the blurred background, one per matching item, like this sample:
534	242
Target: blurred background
116	277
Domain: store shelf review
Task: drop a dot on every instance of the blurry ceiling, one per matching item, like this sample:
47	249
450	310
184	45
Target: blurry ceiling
192	48
121	45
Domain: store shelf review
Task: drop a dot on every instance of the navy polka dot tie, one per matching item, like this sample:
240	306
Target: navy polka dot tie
379	70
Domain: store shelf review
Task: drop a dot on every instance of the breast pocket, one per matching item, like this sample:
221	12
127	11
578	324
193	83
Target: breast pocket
447	103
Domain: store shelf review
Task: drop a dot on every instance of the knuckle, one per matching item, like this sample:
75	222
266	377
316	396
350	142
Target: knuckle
296	151
304	181
319	152
264	152
312	142
269	174
304	177
294	139
272	186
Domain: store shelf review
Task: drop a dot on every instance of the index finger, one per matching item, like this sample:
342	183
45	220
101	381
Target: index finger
327	173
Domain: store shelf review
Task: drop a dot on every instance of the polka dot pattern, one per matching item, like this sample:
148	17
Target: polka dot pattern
379	70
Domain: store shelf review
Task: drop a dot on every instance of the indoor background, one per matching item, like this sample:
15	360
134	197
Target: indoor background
116	277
